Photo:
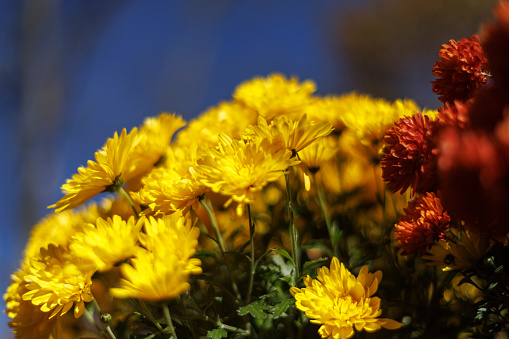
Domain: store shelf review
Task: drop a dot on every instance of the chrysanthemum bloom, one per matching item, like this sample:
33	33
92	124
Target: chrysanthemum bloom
454	114
55	284
370	118
161	268
495	36
58	228
114	166
341	302
28	321
275	95
329	108
154	137
106	243
285	134
230	118
461	70
409	156
173	186
422	225
462	251
473	173
239	168
318	152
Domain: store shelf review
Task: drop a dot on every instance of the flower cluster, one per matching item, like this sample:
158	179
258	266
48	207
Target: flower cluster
457	163
263	216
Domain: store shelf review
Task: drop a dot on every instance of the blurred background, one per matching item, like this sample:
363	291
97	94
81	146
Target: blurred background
73	72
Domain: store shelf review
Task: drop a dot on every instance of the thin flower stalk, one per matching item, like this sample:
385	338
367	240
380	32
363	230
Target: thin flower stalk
332	229
167	316
129	201
294	235
207	205
252	261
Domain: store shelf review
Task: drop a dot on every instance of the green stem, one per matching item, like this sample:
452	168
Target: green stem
90	318
218	323
381	197
334	239
207	205
167	316
129	201
294	236
251	242
149	315
110	332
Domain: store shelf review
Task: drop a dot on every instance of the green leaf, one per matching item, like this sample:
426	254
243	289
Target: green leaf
150	336
286	269
284	254
311	265
218	333
492	286
281	307
256	309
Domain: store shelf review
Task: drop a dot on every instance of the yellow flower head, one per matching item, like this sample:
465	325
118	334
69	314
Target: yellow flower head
104	244
341	302
328	108
174	186
275	95
370	118
238	168
283	133
161	268
28	321
461	252
228	117
154	138
319	152
58	228
54	282
113	167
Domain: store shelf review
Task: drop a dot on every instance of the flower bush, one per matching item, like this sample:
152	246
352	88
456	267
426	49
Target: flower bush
264	216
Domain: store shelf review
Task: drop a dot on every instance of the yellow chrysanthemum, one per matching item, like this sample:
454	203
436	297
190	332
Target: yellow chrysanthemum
283	133
58	228
462	252
174	186
106	243
238	168
328	108
319	152
161	269
230	118
154	138
28	321
114	166
55	284
341	302
275	95
370	118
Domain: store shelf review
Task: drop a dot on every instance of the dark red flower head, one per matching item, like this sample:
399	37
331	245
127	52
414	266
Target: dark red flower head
409	156
454	114
474	179
423	224
461	70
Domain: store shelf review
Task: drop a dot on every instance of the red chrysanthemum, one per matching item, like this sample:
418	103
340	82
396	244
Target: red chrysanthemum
474	179
495	38
461	70
423	224
409	156
454	114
